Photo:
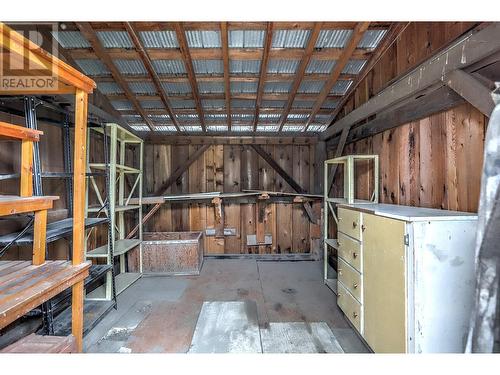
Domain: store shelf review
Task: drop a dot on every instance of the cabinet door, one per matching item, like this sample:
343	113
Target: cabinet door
384	280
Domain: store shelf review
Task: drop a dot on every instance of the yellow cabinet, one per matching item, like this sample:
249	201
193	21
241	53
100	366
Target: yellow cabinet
350	223
351	279
350	250
384	282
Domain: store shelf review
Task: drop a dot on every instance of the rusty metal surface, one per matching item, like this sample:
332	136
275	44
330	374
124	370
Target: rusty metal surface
172	253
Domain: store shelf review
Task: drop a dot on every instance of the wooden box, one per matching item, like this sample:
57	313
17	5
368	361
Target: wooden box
172	253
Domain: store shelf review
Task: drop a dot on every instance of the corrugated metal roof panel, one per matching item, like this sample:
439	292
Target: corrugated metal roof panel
188	117
215	117
322	119
341	86
177	88
297	117
306	104
182	104
130	67
132	118
208	66
203	38
93	67
140	128
277	87
238	87
292	128
279	66
152	104
242	128
269	117
330	104
242	103
108	88
333	38
175	67
217	128
191	128
244	66
165	128
354	66
371	38
213	103
122	105
267	128
273	104
160	119
71	39
316	128
159	39
246	38
142	88
290	38
310	87
242	116
211	87
115	39
320	66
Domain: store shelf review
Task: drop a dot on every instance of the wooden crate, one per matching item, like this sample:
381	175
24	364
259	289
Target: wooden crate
172	253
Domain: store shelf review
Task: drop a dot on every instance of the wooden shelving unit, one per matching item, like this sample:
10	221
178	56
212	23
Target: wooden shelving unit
47	278
119	202
348	162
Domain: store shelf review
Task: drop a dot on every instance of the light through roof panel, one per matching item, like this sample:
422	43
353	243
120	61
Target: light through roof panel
130	67
159	39
71	39
244	66
115	39
246	38
210	67
333	38
203	38
290	38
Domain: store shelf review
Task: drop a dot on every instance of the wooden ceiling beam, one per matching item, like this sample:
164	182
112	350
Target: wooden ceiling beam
225	58
89	33
151	72
217	53
249	96
356	36
186	55
300	73
263	73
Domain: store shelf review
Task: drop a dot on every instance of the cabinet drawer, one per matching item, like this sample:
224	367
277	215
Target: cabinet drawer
351	279
350	250
350	222
351	308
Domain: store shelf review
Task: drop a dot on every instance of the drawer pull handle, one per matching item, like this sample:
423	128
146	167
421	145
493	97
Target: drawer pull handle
363	227
339	243
354	224
355	286
354	315
354	255
339	271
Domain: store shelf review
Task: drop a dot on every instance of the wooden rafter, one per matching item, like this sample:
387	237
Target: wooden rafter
186	56
225	58
392	34
89	33
300	72
263	72
151	71
356	36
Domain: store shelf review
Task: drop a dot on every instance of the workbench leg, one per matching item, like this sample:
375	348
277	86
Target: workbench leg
77	314
39	237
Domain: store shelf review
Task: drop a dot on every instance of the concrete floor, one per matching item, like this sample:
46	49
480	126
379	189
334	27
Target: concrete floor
158	314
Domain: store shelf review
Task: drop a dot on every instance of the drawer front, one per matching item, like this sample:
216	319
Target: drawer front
350	222
351	308
351	279
351	251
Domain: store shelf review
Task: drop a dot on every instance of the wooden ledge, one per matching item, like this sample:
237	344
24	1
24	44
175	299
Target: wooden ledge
15	132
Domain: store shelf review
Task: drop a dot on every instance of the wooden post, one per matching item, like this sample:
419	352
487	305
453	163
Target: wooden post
39	237
26	168
79	181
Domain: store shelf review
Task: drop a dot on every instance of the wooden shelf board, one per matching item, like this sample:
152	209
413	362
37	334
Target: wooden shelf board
119	167
121	247
332	242
24	286
13	204
15	132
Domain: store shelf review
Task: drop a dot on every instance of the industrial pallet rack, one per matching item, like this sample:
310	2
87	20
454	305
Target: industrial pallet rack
114	206
348	163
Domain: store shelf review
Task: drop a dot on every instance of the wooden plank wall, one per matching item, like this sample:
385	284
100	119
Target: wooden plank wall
418	42
434	162
232	168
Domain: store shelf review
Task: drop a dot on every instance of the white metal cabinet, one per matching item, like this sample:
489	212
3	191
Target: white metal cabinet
418	277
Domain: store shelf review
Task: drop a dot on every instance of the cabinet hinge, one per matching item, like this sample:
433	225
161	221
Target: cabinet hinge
406	238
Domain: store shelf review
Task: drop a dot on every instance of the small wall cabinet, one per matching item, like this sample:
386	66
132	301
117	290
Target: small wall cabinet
406	276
